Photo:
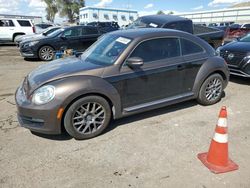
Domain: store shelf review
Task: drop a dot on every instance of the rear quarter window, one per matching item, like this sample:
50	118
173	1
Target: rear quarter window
24	23
189	47
6	23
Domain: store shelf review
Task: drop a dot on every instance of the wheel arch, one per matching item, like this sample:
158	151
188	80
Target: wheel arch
211	66
16	34
76	87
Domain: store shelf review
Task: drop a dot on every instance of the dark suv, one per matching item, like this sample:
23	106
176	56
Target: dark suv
123	73
76	37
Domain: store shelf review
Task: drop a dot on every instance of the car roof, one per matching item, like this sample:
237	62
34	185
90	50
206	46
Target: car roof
163	19
143	33
75	26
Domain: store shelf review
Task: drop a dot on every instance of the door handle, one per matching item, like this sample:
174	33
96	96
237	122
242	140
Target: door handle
180	67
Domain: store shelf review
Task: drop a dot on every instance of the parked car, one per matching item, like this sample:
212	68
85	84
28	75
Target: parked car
123	73
38	35
42	26
76	37
236	54
10	29
237	31
105	27
213	36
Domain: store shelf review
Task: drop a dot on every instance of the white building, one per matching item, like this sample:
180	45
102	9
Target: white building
238	15
95	14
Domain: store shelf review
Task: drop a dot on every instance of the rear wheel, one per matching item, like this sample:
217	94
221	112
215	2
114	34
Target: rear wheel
211	90
87	117
46	53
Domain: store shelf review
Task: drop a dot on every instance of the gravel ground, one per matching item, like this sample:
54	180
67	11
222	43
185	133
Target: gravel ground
153	149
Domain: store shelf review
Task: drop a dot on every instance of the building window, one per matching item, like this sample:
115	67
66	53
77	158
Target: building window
123	18
106	16
131	18
95	16
115	17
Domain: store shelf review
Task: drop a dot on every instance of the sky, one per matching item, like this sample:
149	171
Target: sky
37	7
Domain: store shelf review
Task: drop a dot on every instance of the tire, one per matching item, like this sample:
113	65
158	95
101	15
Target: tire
211	90
46	53
87	117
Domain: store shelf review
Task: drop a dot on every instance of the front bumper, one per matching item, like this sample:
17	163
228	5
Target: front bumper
243	69
27	51
37	118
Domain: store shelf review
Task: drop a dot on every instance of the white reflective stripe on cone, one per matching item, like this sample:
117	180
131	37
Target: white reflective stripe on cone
222	122
221	138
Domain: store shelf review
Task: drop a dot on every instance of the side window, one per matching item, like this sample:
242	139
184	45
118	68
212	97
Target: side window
24	23
189	47
74	32
157	49
6	23
89	31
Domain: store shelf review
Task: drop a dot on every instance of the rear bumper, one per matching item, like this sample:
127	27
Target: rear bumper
42	119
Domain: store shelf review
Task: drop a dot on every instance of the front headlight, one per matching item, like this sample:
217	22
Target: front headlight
44	94
33	43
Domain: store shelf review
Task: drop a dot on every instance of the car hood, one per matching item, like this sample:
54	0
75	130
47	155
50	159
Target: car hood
61	68
34	38
237	46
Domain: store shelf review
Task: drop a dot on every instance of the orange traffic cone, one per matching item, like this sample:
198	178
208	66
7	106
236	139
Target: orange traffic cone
216	159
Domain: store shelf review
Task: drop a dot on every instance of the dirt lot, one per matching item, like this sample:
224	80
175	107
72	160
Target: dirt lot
153	149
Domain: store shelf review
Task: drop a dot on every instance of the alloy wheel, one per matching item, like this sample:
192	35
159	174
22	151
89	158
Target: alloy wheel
47	53
213	89
88	118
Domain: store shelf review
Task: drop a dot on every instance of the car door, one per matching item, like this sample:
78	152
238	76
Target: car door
159	78
194	56
71	38
7	28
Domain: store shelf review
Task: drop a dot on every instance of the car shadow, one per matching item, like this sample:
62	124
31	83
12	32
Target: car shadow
32	59
7	44
61	137
239	80
152	113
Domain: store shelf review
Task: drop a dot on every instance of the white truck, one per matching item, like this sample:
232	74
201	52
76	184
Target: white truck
11	28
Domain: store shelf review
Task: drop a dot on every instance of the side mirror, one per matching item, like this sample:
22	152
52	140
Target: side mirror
63	37
134	62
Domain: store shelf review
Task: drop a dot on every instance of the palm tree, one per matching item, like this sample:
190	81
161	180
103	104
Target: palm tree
51	10
70	8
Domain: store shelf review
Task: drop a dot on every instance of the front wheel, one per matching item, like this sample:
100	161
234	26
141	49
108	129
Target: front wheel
87	117
211	90
46	53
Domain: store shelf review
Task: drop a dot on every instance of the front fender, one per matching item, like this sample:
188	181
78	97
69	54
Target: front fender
212	65
70	88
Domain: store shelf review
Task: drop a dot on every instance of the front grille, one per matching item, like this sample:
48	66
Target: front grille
235	60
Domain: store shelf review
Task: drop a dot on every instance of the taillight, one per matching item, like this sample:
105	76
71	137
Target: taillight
33	29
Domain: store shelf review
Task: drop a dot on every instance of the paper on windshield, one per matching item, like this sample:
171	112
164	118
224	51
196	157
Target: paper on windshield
123	40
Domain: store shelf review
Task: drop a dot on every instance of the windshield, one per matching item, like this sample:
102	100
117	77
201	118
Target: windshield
55	33
245	39
50	30
106	50
142	23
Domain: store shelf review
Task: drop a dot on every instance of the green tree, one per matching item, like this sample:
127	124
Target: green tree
171	12
51	10
160	12
70	8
